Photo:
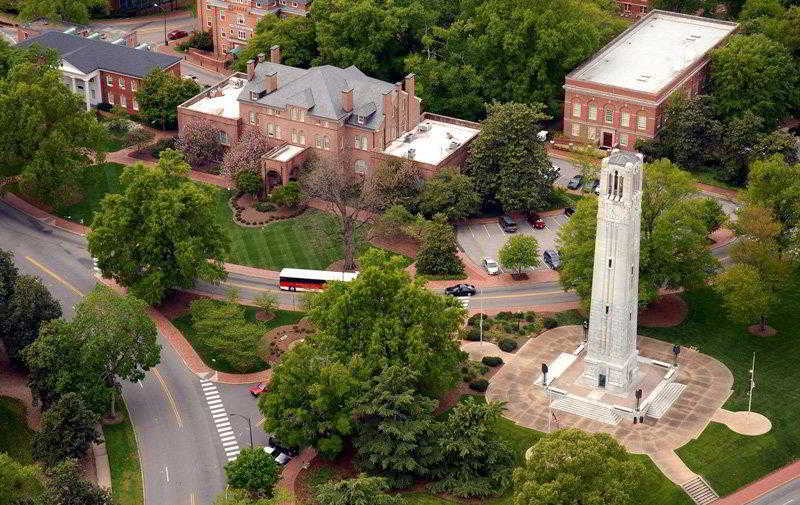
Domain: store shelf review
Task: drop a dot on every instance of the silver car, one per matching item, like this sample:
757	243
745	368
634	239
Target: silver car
490	266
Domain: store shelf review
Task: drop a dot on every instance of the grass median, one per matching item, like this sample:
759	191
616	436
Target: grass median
123	458
15	436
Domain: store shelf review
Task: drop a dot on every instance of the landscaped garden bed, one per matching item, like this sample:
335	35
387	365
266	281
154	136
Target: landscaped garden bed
248	211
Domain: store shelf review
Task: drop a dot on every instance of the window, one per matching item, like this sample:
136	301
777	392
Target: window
121	83
576	109
302	138
318	142
625	119
277	131
576	130
593	112
623	139
133	85
242	34
327	142
592	133
294	136
222	16
111	99
209	23
252	117
361	167
271	130
240	20
609	116
109	81
123	102
360	142
627	7
641	122
135	104
222	137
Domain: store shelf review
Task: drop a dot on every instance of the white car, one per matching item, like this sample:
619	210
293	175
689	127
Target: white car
490	266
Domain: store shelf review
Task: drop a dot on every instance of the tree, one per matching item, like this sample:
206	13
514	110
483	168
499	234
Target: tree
30	306
398	181
474	462
18	483
396	428
244	156
438	254
267	302
119	338
571	466
520	252
775	184
287	195
398	222
8	278
361	490
64	485
674	231
141	137
752	72
255	471
223	329
75	11
451	193
508	163
295	35
248	182
746	297
160	93
68	430
242	497
160	233
199	141
49	137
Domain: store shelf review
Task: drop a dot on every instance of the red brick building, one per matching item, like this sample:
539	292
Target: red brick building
619	95
633	8
329	111
103	72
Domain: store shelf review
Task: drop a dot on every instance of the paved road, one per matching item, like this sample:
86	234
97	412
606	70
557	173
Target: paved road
788	494
150	30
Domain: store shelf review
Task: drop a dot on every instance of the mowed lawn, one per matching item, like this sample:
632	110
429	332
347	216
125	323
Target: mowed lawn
100	180
123	457
15	436
728	460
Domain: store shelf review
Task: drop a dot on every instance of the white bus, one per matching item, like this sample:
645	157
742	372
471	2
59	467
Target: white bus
297	279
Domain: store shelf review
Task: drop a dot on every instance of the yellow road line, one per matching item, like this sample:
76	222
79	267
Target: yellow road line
244	286
169	397
54	276
191	499
521	295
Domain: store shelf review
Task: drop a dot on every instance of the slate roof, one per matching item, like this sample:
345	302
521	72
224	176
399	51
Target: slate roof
319	89
88	55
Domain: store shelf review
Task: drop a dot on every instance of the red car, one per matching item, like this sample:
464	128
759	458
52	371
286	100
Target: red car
259	388
177	34
536	221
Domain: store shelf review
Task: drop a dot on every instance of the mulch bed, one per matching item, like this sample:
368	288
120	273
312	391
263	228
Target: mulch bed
177	304
245	213
405	246
667	311
281	339
756	330
342	468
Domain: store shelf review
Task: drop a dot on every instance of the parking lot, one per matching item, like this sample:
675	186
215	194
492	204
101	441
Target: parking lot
483	240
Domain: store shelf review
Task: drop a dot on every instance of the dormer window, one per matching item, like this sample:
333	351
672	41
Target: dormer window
360	119
254	95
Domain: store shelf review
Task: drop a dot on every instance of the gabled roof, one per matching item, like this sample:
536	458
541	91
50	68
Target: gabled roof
88	55
319	89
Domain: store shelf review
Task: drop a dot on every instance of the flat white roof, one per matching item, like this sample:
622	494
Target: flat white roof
431	141
286	153
225	105
654	51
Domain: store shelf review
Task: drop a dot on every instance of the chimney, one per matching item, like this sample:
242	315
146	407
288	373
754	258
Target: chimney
261	57
410	84
271	82
347	100
275	54
251	69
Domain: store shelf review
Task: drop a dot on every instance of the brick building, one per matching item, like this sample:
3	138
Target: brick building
329	111
232	22
101	71
108	34
620	94
633	8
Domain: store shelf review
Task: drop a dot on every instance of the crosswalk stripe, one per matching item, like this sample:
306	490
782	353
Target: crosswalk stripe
214	396
215	402
229	437
232	452
217	410
229	443
220	416
223	424
225	433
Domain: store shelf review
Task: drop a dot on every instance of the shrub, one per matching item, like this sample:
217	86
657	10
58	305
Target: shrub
248	182
530	316
511	327
472	370
265	207
162	144
104	106
288	195
507	345
476	320
550	323
530	328
508	316
492	360
480	385
472	334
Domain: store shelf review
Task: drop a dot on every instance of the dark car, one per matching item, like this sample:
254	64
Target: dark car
552	259
590	186
507	224
568	211
461	290
176	34
575	182
536	221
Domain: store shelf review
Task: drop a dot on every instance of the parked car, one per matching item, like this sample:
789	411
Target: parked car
177	34
536	221
461	290
279	453
259	388
591	185
490	266
552	259
507	224
568	211
575	182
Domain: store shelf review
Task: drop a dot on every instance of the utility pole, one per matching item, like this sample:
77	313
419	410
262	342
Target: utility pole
752	382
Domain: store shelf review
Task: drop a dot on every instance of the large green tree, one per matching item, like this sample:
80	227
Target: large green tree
76	11
451	193
572	466
160	233
746	297
508	163
29	307
48	136
754	73
68	430
396	428
65	486
520	252
775	184
255	471
8	278
159	95
361	490
438	253
674	230
296	36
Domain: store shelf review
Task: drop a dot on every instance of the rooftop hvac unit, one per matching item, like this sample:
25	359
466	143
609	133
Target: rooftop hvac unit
143	46
411	153
448	135
119	42
424	127
237	83
408	138
454	145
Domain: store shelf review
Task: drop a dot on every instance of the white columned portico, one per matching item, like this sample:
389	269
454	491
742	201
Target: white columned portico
74	87
86	94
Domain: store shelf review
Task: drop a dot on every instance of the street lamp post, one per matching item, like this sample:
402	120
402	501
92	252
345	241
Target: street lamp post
676	349
163	11
638	399
249	426
585	330
480	293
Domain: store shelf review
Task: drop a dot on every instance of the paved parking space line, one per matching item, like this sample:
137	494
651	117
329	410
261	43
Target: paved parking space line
487	231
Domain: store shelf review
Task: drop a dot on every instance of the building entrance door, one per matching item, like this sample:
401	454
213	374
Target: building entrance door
608	139
601	381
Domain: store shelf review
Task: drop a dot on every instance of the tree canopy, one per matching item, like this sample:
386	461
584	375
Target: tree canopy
68	430
160	233
254	471
451	193
520	252
361	490
295	35
18	482
25	311
159	95
76	11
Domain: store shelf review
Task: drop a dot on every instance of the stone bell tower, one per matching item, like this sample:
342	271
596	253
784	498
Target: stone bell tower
611	361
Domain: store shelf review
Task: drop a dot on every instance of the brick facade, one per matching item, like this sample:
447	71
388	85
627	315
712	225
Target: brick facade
633	8
120	90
